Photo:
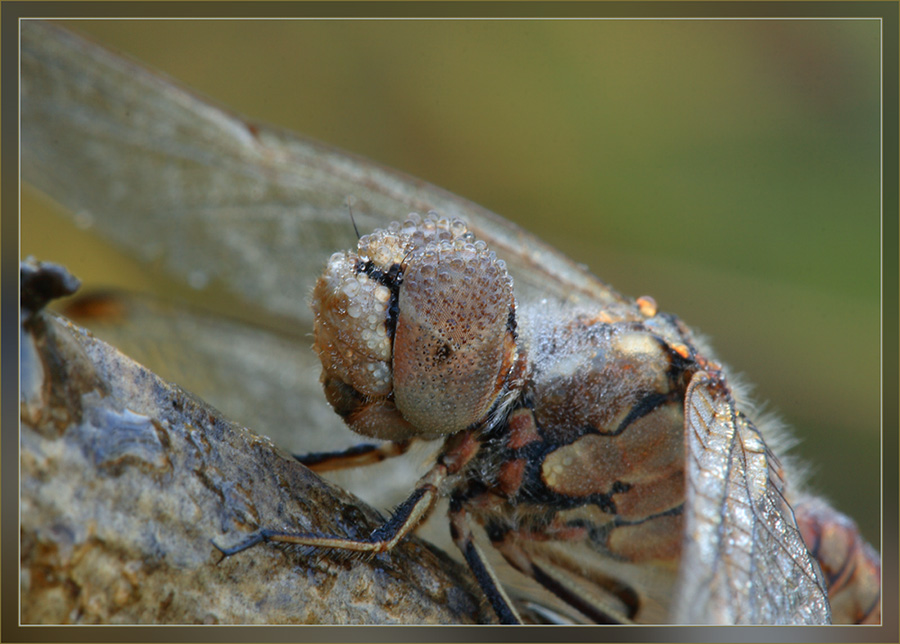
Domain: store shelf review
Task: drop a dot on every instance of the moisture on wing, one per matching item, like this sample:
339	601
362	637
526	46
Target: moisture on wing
744	560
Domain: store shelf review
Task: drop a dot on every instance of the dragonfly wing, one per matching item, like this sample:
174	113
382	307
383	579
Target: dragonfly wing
744	560
262	379
216	199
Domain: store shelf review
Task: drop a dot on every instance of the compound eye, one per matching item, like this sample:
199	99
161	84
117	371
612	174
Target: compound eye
454	343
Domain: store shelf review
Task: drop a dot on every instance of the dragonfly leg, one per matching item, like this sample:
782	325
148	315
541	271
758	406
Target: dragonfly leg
404	520
461	532
600	599
356	456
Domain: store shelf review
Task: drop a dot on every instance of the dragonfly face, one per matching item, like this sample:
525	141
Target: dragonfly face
287	176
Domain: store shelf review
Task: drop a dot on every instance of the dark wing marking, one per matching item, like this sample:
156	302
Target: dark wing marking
744	560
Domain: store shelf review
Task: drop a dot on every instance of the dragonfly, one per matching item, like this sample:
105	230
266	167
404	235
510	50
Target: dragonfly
223	167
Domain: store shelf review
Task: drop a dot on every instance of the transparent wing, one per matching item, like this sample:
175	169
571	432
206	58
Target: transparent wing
260	378
744	560
216	199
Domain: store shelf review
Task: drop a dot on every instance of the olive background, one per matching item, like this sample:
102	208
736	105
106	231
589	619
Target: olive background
728	168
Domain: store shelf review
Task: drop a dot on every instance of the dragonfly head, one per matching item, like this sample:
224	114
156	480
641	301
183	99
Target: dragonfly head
416	330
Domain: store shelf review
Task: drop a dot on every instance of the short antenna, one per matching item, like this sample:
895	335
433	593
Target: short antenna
352	220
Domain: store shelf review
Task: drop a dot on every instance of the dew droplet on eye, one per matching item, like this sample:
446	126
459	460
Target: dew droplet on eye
381	256
382	294
350	288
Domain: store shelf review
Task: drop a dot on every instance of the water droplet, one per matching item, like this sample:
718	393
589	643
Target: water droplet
84	220
198	279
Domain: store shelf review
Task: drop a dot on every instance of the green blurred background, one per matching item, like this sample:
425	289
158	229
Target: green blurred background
728	168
